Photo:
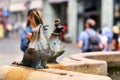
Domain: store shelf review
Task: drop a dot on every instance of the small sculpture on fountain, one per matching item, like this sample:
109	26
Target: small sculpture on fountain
38	49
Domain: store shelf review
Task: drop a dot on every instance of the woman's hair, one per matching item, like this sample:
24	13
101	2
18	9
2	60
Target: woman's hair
34	13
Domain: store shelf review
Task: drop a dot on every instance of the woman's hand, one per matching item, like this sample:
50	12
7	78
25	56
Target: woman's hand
29	35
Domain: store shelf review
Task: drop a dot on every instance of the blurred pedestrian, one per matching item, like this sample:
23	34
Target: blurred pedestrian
89	40
107	31
33	20
16	26
104	40
119	42
9	29
65	27
115	39
1	31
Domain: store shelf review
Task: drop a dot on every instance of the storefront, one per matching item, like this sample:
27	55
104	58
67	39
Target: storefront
19	10
60	9
88	9
91	9
75	13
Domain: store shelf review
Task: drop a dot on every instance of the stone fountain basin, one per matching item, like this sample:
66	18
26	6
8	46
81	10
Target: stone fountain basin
25	73
92	66
92	63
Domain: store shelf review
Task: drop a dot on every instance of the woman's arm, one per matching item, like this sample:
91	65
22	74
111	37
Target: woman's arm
24	41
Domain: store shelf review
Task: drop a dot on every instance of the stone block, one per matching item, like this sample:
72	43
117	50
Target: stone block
25	73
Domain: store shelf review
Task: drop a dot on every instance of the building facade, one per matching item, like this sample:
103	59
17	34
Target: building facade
19	9
75	12
71	12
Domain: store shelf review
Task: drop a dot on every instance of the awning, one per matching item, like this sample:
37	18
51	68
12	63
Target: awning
36	4
17	7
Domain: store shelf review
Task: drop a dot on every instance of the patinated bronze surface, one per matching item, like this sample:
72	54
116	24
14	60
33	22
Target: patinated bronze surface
55	42
40	50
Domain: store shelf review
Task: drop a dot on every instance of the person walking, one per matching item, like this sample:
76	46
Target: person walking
106	31
115	39
104	40
88	40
